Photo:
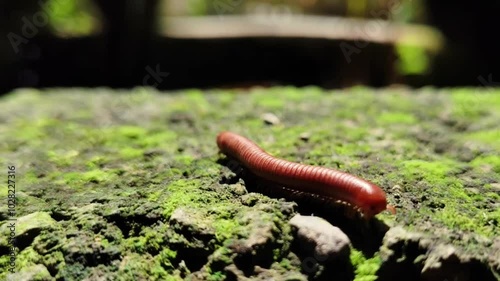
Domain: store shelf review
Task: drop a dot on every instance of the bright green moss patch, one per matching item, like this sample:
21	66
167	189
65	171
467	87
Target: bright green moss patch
473	104
151	240
469	218
433	172
26	258
217	276
262	99
96	161
297	95
92	176
387	118
196	98
225	228
182	193
98	176
130	132
366	269
62	159
162	138
187	194
487	161
129	153
128	138
460	208
33	130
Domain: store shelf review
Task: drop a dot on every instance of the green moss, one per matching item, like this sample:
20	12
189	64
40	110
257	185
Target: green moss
129	153
96	162
53	260
76	179
133	141
361	130
287	139
131	132
143	267
154	196
157	139
26	258
387	118
452	218
98	176
268	101
4	266
225	228
366	269
32	130
184	160
62	159
434	172
166	257
488	137
196	98
472	105
151	240
286	264
461	209
36	220
30	177
484	161
217	276
297	95
181	193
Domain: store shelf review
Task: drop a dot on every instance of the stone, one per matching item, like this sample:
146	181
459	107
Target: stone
327	241
26	228
36	272
270	119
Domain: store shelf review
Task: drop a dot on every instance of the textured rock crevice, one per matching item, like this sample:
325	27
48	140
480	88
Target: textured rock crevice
416	256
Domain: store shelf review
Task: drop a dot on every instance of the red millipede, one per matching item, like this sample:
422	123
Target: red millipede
328	184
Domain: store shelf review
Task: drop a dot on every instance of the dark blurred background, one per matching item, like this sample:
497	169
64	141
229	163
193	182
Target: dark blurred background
172	44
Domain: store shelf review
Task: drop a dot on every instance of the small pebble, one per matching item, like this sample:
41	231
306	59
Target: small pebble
305	136
270	119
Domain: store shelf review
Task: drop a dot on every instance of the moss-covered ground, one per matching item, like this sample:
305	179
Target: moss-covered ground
100	172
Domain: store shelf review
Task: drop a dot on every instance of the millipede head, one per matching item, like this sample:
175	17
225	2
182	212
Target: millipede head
372	207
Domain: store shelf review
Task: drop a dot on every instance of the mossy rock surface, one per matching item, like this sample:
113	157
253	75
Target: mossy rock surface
129	185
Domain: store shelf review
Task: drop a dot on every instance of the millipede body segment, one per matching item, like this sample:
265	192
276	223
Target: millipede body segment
328	184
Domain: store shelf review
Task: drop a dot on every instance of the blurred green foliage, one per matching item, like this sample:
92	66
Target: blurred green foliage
72	17
81	18
413	60
197	7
